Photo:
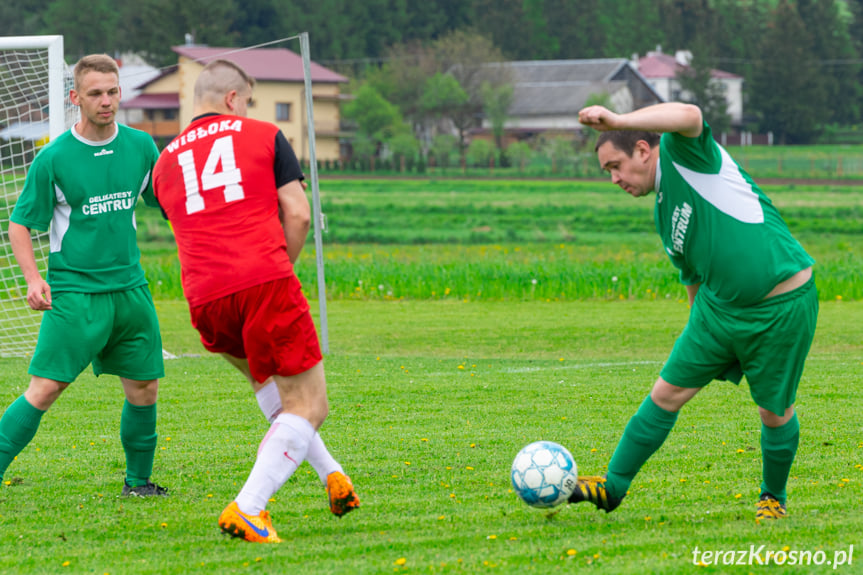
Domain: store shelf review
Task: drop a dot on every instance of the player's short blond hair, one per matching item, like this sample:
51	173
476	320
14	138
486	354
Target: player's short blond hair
94	63
220	77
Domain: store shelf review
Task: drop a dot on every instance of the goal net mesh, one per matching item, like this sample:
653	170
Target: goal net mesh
24	129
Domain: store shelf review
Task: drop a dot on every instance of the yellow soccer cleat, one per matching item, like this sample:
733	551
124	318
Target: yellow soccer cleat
340	490
592	489
251	528
768	507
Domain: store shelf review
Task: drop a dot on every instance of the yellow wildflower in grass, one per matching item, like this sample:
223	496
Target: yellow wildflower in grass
492	537
66	563
401	561
738	495
741	451
571	552
163	525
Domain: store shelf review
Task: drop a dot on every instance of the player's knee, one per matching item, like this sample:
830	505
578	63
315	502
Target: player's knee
771	419
43	392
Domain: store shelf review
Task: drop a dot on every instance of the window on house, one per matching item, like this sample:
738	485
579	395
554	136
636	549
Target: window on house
283	112
170	114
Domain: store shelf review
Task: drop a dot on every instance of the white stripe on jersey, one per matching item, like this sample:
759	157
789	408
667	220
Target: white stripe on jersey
727	191
60	222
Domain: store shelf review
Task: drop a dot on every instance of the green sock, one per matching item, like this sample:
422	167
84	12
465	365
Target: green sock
138	435
778	448
17	428
644	434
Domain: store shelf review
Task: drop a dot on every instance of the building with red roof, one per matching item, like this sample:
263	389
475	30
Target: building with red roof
664	70
279	96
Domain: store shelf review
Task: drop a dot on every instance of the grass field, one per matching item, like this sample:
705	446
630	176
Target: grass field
430	400
467	318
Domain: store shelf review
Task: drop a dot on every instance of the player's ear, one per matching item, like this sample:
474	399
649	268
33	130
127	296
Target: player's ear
230	98
642	149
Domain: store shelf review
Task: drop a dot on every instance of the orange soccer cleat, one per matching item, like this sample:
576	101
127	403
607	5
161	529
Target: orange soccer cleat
340	490
257	529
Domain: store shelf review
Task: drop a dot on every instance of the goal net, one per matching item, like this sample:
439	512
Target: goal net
34	108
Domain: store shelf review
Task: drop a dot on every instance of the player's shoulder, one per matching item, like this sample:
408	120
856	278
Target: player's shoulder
133	133
137	138
262	125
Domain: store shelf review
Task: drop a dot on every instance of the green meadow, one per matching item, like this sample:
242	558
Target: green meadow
491	240
466	318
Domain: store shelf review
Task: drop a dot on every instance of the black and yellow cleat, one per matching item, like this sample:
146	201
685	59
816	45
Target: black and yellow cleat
146	490
592	489
768	507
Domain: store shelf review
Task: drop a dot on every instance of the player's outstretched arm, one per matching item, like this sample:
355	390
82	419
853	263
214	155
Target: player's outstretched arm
296	217
684	119
38	290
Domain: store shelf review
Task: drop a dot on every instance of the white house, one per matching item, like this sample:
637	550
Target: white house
663	70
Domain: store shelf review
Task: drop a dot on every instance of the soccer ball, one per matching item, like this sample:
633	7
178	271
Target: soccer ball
544	474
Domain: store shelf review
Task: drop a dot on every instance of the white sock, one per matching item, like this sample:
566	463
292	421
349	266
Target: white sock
269	401
282	450
317	456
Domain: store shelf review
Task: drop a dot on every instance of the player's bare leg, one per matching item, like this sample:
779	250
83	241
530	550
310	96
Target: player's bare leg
340	490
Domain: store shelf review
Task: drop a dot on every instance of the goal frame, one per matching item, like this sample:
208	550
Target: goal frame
56	69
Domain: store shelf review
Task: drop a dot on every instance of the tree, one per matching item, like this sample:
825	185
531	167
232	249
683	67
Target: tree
480	153
441	95
444	149
87	26
469	57
404	148
786	89
519	154
374	116
559	149
833	48
701	89
496	103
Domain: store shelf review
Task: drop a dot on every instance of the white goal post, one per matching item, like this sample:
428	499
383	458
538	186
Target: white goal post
34	108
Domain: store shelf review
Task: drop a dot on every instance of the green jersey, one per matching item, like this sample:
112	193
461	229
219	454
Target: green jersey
717	226
85	193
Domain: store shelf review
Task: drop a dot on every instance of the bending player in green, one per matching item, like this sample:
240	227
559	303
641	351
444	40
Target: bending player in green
753	301
97	307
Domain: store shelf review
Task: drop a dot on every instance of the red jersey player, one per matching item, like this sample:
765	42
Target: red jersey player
232	188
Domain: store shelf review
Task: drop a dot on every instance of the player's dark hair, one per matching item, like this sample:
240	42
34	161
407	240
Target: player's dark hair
625	140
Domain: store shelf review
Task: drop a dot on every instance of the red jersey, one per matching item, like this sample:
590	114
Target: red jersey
217	184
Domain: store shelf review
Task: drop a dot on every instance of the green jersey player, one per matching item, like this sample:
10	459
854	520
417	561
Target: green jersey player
753	300
97	307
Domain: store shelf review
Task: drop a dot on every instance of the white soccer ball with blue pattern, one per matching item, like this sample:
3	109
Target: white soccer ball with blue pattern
544	474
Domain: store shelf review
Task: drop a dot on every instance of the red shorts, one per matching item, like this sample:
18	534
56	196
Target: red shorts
268	324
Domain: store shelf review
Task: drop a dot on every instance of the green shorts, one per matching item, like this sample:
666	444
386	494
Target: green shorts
768	342
118	332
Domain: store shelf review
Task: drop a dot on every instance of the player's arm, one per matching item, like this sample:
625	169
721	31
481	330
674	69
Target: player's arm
691	290
684	119
38	290
296	216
